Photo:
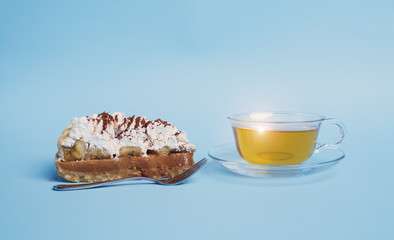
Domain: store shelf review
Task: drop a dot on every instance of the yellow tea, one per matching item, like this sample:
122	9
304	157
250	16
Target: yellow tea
274	147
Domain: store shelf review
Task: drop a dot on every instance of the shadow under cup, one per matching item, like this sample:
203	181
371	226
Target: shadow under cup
278	138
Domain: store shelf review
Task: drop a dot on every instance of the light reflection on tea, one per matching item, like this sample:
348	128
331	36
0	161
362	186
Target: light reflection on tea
275	147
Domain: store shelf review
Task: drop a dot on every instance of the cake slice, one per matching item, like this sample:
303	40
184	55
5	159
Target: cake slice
110	146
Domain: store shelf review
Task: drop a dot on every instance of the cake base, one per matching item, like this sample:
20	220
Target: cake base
153	166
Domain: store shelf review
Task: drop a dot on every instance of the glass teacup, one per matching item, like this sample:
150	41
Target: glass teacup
279	138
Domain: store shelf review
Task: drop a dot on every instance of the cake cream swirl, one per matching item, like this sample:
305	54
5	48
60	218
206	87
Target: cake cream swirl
111	132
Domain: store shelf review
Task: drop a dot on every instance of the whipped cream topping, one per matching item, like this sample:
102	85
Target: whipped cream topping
110	132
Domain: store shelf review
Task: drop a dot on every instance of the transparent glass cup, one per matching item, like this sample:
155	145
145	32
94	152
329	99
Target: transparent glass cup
280	138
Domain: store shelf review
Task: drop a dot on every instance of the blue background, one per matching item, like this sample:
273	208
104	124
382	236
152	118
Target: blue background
194	63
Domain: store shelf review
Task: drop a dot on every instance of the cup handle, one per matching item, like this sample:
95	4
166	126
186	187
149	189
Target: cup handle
342	131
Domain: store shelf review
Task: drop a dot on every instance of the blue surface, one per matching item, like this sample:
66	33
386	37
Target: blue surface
193	63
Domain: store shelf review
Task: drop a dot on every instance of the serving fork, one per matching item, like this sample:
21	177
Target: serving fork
165	181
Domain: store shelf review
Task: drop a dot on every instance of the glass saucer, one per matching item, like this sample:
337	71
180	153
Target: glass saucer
322	159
